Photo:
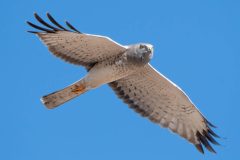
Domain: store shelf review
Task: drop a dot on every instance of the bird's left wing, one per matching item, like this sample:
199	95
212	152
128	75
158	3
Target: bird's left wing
73	46
157	98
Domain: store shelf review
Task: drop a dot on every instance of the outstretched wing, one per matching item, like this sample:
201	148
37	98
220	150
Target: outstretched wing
74	46
157	98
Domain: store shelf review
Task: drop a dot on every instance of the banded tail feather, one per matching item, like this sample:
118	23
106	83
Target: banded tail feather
57	98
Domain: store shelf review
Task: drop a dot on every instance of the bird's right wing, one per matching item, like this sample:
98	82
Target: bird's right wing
157	98
73	46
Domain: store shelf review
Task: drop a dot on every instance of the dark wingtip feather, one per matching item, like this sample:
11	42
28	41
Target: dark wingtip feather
55	22
199	148
210	124
210	138
50	28
43	22
205	142
38	27
34	32
213	133
71	27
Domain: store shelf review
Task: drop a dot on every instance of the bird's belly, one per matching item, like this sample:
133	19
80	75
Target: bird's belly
106	72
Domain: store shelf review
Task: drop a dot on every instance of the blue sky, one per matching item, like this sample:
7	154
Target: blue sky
196	45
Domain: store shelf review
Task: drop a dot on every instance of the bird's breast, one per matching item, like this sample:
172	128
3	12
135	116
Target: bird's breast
110	70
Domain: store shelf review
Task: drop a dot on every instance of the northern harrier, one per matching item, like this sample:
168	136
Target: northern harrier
127	71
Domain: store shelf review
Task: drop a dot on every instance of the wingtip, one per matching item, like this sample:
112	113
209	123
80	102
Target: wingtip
210	148
34	32
27	22
204	140
213	133
50	17
55	22
48	27
199	148
210	138
35	13
210	124
71	27
39	28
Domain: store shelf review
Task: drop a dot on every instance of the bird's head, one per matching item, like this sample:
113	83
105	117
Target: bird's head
145	51
140	53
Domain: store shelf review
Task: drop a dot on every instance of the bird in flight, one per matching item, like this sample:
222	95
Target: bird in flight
126	69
